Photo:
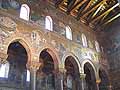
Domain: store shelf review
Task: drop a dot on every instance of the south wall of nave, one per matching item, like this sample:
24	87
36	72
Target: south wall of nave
53	61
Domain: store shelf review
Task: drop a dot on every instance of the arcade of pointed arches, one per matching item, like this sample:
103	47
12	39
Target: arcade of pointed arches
46	64
70	63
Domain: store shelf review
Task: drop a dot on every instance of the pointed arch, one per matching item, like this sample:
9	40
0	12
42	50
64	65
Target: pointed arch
23	41
91	75
92	65
53	54
67	54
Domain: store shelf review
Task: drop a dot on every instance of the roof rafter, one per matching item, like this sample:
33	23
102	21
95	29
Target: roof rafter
70	6
89	10
111	18
77	5
114	17
104	13
97	11
58	2
82	8
88	5
94	12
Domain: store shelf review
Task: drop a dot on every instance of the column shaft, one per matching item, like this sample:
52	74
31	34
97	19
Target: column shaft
33	67
83	82
97	83
59	80
97	86
33	80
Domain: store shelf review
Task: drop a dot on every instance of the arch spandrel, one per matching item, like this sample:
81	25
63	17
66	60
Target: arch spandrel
22	40
67	54
52	51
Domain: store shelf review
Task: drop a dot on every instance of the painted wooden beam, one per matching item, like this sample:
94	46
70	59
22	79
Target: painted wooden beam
111	18
58	2
104	13
69	8
78	4
89	10
82	9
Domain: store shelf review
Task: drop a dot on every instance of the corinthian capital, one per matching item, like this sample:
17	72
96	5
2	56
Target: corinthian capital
82	76
33	65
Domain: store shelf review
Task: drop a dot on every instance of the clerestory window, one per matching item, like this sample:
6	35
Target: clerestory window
84	40
24	12
48	23
97	46
68	33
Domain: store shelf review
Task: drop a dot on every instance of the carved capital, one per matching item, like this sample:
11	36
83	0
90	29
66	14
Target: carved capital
62	70
34	66
98	81
82	76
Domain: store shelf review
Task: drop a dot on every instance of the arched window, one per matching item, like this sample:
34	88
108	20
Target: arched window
24	12
97	46
28	76
68	33
4	70
48	23
84	40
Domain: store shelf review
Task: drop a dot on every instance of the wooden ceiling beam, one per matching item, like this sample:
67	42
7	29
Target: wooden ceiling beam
104	13
69	8
58	2
82	8
105	16
111	18
77	5
88	5
97	10
89	10
115	17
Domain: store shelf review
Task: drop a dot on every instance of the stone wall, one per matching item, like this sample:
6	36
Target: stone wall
111	43
35	38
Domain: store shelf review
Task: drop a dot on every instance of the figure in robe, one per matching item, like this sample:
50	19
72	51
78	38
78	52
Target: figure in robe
6	4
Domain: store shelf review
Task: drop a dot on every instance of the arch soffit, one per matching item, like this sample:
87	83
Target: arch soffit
67	54
52	52
88	61
22	40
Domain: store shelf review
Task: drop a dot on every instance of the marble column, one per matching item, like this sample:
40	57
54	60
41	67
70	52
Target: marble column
60	79
82	81
110	87
33	67
97	83
3	59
